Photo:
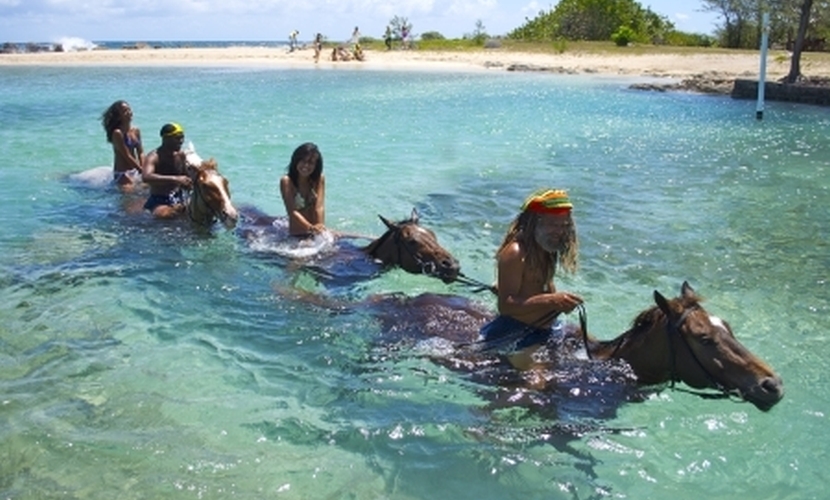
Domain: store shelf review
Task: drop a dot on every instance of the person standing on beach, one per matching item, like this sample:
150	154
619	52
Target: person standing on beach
318	47
405	37
387	37
542	235
164	171
126	145
292	40
355	37
303	191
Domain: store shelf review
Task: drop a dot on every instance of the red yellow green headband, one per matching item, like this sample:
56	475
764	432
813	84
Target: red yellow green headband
551	201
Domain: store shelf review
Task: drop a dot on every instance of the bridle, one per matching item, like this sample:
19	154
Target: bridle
672	330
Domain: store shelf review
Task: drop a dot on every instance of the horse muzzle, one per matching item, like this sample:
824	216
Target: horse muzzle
766	393
228	217
447	270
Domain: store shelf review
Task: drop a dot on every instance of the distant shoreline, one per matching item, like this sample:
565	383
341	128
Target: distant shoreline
703	64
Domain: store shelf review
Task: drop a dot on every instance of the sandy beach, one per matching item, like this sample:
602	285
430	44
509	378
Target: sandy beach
677	65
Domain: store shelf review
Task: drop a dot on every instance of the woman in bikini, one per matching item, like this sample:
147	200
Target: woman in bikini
303	191
126	145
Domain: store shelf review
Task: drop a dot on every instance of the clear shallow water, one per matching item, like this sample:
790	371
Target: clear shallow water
146	360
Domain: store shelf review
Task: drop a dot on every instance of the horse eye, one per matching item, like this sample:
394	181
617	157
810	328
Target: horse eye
706	340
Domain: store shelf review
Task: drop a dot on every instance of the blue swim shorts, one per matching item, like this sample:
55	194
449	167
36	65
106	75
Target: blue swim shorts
506	334
177	197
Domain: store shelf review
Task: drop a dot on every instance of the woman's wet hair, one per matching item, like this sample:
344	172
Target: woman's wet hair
302	152
111	118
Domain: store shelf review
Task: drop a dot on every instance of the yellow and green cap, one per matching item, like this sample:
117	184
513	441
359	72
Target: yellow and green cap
170	129
548	201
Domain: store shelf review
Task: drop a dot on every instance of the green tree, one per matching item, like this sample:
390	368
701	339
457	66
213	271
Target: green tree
397	24
595	20
741	19
479	34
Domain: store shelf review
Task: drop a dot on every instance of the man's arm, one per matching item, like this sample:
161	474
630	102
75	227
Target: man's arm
512	299
150	176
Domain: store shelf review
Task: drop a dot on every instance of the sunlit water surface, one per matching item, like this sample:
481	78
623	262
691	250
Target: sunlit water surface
150	360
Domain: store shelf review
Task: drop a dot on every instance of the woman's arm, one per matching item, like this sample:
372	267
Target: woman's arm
140	147
320	205
298	225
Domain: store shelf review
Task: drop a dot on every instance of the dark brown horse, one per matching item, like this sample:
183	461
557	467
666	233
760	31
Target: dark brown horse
210	199
677	340
405	244
413	248
673	341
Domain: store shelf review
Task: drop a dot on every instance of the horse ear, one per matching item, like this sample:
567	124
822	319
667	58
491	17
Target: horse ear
414	216
662	303
687	291
389	225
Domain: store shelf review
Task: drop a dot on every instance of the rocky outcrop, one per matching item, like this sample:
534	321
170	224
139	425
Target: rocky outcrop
806	91
699	84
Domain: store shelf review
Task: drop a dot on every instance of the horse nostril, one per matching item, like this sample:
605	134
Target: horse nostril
449	264
771	385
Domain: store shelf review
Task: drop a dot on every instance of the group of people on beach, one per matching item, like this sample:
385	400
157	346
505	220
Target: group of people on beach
540	238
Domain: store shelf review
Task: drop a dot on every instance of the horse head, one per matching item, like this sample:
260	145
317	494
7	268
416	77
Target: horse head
211	198
677	340
414	248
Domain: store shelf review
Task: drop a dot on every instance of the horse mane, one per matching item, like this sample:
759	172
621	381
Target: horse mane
209	165
646	320
372	247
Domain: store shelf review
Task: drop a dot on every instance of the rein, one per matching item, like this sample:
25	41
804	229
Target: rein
583	325
478	286
673	329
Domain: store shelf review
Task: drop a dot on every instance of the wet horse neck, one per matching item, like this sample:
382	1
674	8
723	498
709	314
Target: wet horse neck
644	347
384	249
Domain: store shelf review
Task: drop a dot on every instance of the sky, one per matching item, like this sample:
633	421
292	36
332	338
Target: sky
266	20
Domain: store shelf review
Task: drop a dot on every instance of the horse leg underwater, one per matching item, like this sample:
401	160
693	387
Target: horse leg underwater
677	340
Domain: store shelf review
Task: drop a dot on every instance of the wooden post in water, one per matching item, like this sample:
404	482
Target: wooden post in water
759	108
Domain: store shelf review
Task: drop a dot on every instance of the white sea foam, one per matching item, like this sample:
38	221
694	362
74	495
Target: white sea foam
74	44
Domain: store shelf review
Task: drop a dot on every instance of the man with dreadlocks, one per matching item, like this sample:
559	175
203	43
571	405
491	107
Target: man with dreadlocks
542	235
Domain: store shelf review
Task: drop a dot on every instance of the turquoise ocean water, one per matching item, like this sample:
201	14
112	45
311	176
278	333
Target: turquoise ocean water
150	360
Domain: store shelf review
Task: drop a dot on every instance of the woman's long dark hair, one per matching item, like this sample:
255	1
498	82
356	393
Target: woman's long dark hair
302	152
111	118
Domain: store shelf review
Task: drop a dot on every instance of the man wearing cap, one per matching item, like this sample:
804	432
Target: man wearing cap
164	171
542	235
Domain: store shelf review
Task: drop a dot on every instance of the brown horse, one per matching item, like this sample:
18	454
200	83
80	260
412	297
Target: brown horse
675	340
405	244
414	249
210	199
